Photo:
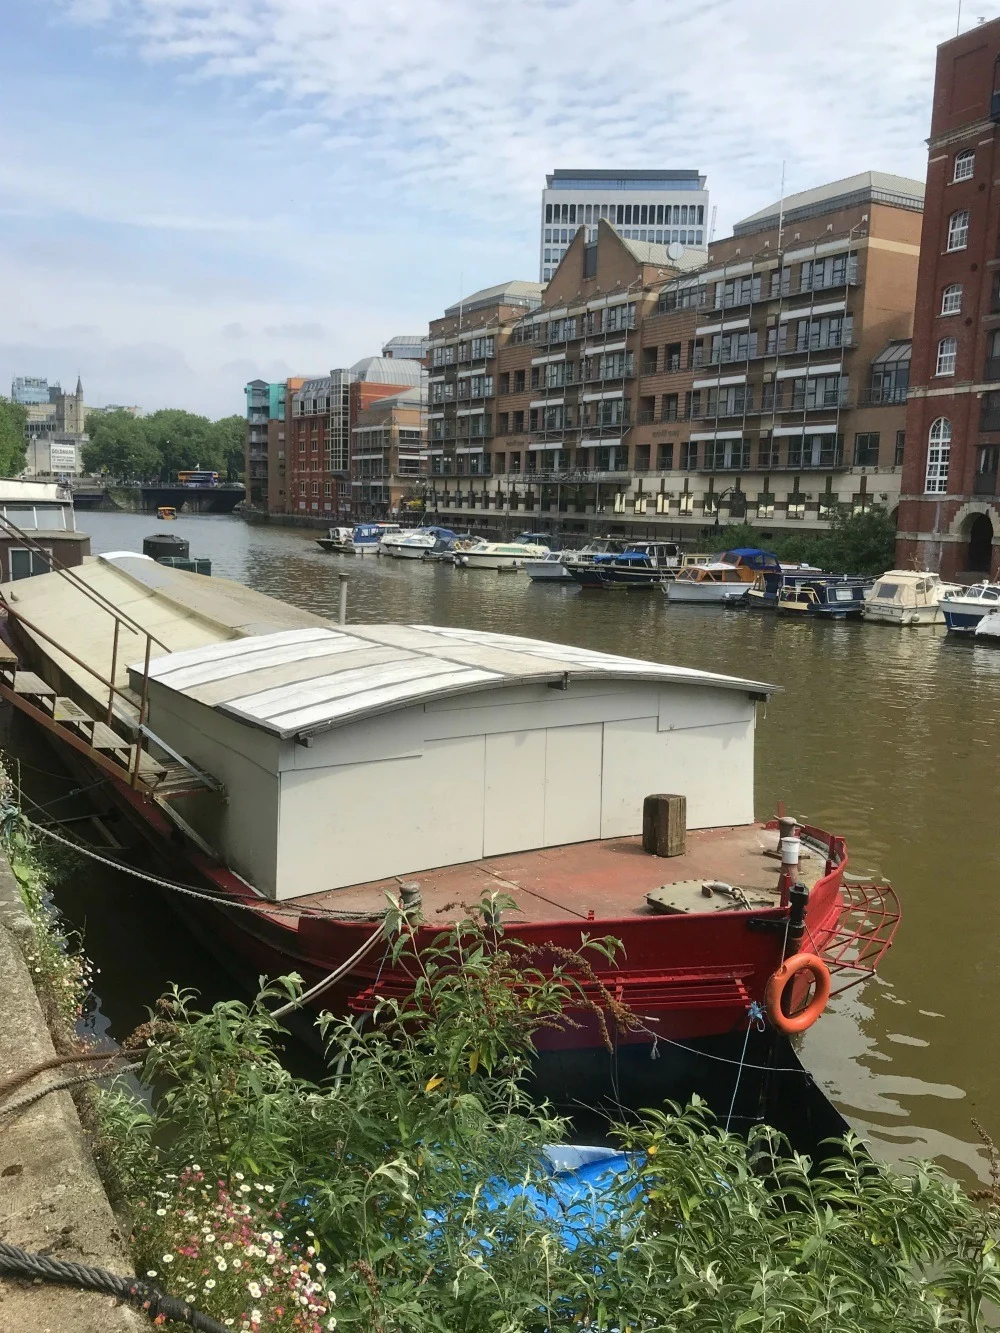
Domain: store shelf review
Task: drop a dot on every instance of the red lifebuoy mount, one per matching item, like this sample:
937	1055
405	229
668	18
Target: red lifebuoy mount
778	983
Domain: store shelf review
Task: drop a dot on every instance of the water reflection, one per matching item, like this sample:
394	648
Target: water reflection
881	734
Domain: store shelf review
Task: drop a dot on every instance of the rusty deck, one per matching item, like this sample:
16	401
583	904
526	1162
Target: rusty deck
606	880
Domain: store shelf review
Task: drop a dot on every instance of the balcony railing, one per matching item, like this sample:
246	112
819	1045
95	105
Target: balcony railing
883	397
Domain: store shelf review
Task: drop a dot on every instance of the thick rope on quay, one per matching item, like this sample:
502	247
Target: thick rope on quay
15	1262
72	1081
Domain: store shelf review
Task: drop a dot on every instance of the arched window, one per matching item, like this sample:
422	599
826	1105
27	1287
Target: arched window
938	454
965	165
951	299
946	354
958	230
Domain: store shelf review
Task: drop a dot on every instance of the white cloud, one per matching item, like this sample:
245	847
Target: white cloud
297	180
482	99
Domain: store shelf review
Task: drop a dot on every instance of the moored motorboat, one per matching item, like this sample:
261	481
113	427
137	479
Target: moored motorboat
825	596
500	761
499	555
963	610
988	629
417	543
908	597
551	568
725	579
362	539
629	569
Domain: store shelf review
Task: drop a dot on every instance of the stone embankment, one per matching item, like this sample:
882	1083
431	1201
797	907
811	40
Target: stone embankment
51	1198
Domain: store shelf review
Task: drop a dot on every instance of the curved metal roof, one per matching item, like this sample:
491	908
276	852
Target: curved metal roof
303	681
387	370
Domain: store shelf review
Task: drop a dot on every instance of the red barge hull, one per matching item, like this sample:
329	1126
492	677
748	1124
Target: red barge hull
686	975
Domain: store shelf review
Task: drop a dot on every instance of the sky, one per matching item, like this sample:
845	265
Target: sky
194	193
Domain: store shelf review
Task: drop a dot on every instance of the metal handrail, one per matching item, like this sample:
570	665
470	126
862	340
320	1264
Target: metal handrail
71	577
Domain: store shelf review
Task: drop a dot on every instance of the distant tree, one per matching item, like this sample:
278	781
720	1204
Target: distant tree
119	447
854	543
182	440
13	441
230	435
863	543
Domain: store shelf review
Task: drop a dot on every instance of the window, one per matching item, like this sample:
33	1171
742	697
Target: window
665	457
900	446
519	381
958	230
689	455
866	449
946	355
951	299
765	504
25	563
938	454
965	165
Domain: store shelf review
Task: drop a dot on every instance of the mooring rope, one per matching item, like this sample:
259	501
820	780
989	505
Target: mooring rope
15	1262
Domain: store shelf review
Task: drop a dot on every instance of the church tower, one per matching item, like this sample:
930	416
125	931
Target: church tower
74	411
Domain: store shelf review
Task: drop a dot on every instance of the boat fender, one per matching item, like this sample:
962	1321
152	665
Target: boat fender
777	984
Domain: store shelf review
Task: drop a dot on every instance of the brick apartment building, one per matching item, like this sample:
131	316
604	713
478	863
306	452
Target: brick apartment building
949	517
322	414
648	394
388	459
267	426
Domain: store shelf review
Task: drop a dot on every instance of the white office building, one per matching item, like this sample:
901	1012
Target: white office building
665	207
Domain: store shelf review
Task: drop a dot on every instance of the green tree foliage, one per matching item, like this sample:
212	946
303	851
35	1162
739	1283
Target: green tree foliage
13	443
162	444
182	440
854	543
386	1170
119	447
229	435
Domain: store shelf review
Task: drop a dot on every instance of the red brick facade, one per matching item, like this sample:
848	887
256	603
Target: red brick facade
949	516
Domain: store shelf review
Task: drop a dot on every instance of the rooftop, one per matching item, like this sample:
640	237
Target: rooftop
516	293
683	179
647	252
303	681
387	370
867	187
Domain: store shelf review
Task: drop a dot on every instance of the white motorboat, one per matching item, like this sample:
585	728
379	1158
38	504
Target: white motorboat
988	629
964	610
500	555
550	569
714	583
416	543
908	597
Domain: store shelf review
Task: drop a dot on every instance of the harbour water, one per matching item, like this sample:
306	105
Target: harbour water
884	735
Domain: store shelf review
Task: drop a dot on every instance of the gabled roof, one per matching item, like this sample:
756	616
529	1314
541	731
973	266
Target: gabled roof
648	252
866	187
303	681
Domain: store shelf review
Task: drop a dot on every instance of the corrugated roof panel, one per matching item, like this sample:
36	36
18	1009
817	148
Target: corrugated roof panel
318	676
162	668
229	668
291	708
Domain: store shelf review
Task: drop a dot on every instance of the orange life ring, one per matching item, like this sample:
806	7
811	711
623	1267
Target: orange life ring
778	982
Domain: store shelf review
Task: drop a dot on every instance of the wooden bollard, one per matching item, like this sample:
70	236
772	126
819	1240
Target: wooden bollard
664	825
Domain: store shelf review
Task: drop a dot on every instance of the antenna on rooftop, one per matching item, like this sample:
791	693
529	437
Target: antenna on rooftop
711	230
958	21
461	297
781	207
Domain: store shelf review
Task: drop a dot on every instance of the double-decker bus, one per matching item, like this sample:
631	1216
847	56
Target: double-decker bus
197	477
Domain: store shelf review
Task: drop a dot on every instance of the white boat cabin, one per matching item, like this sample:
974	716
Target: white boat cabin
354	754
